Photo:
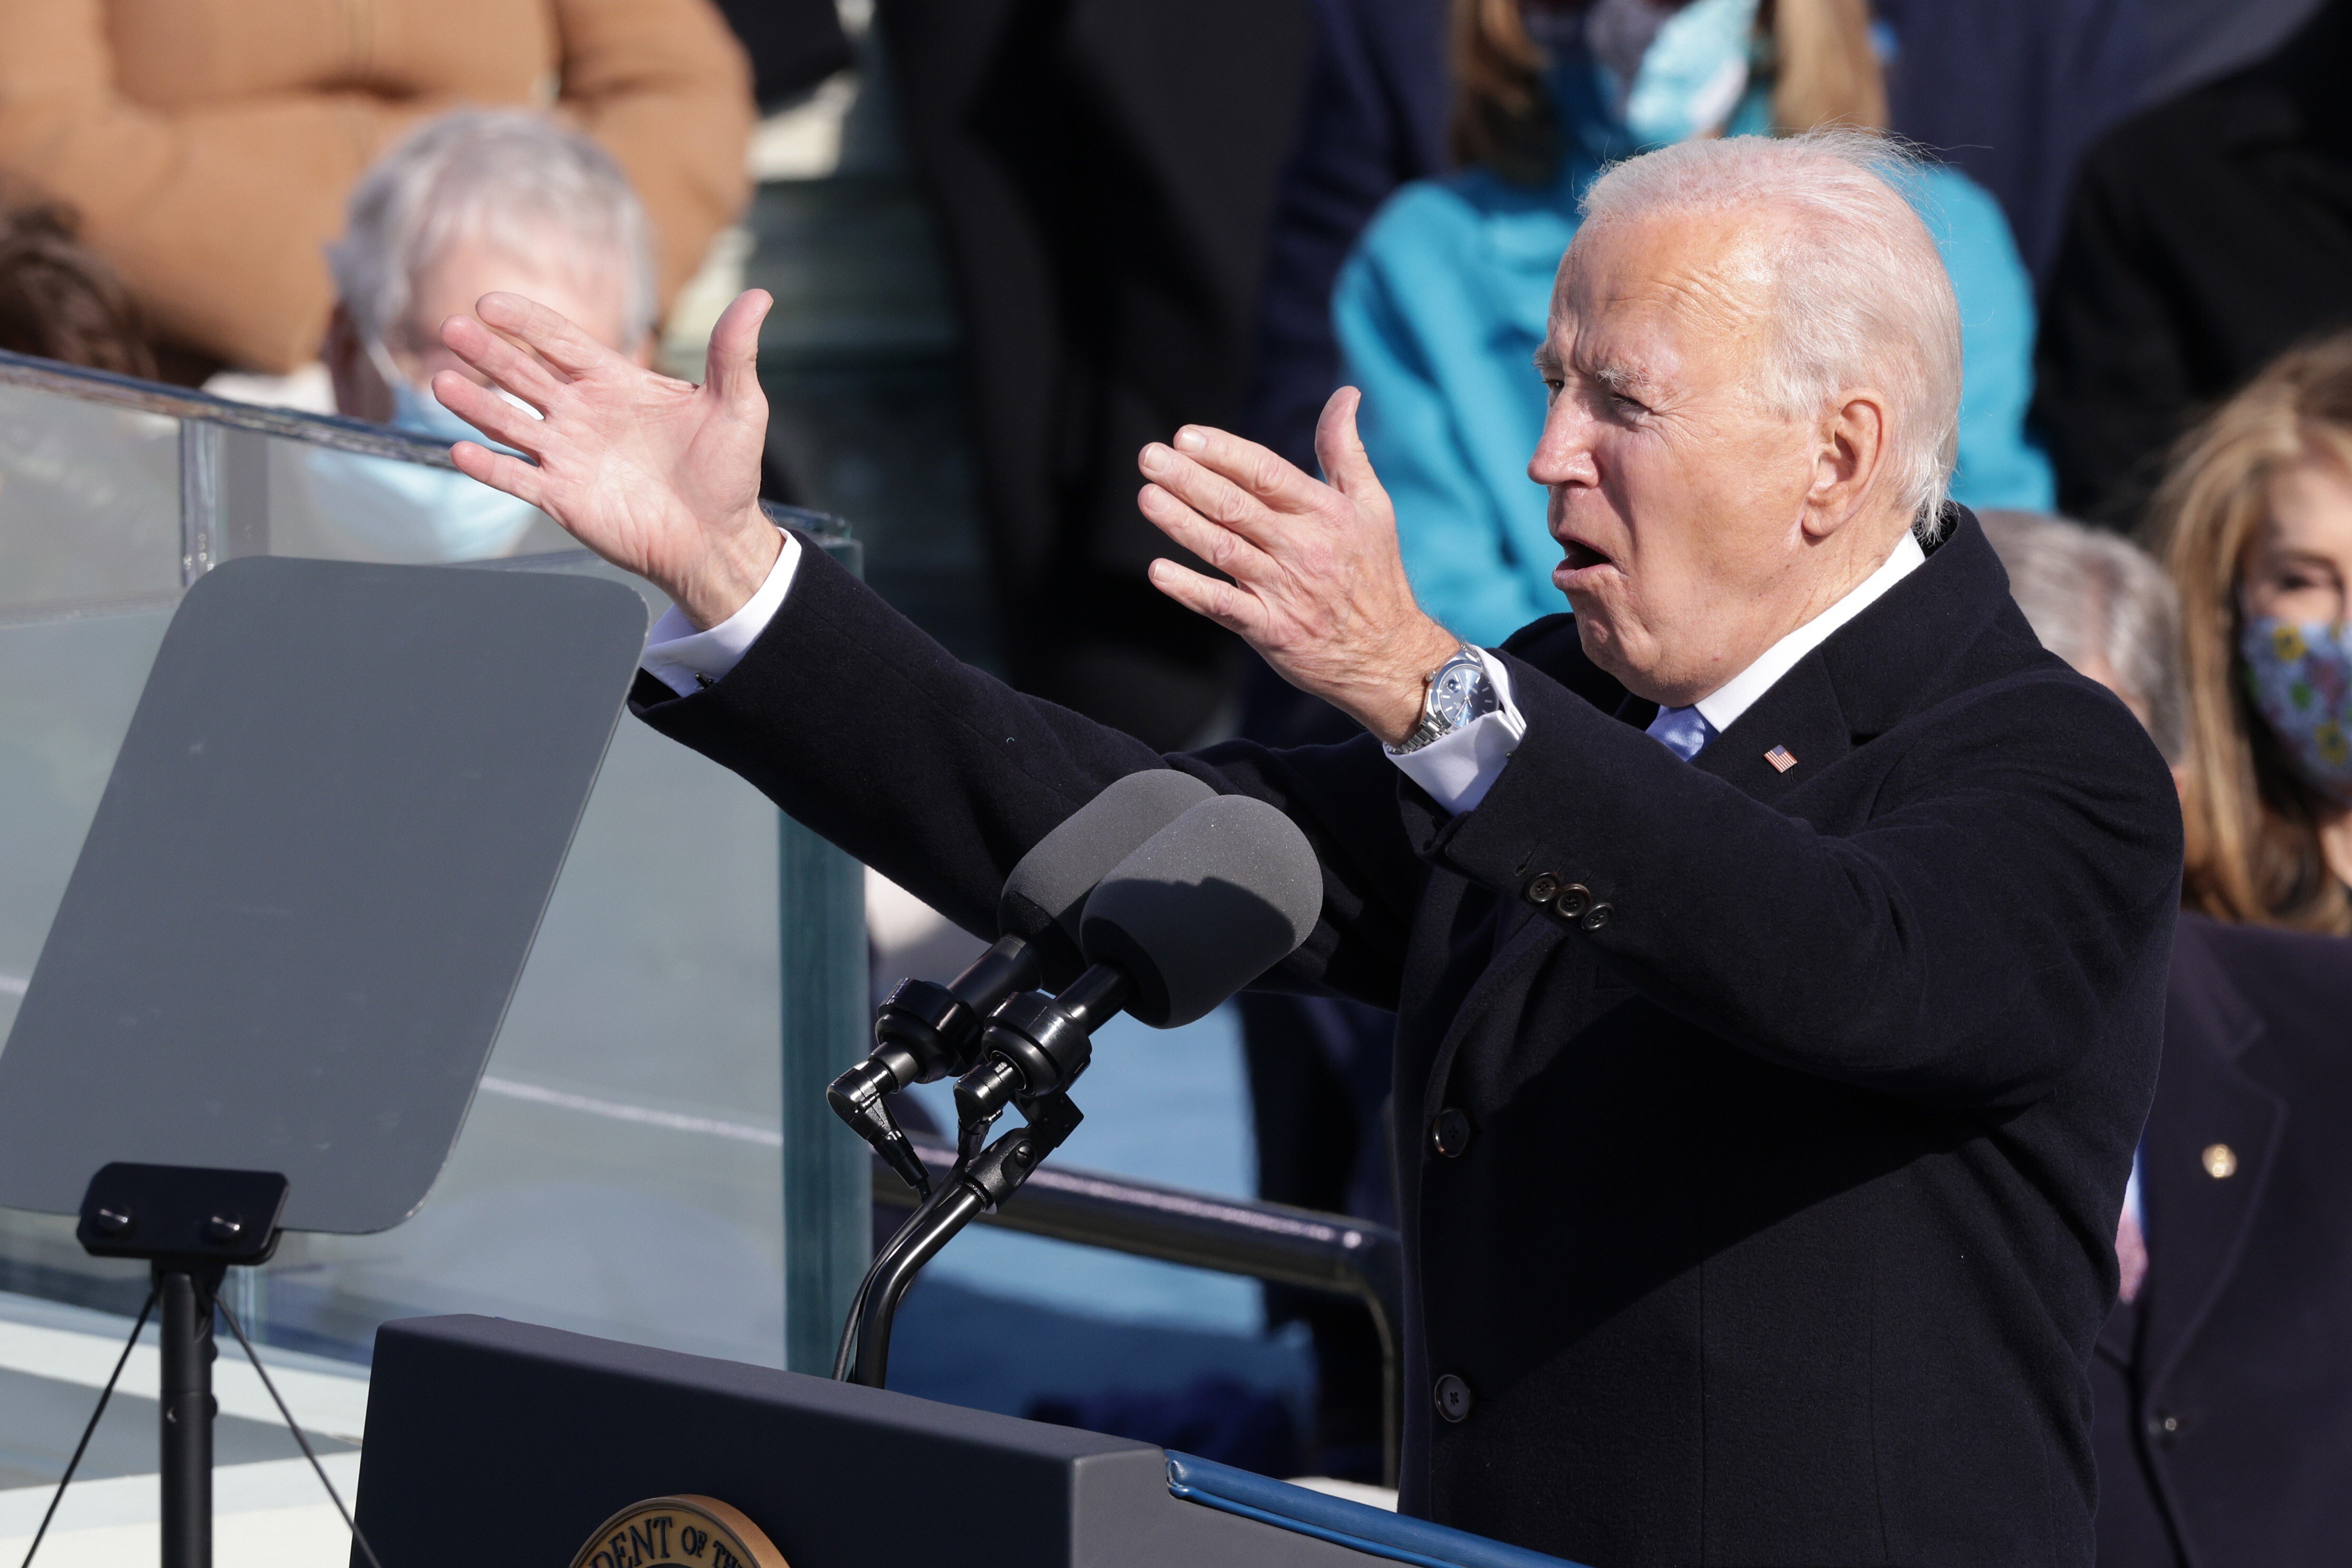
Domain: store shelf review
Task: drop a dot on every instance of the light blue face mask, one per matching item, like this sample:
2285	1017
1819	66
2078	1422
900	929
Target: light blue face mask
1693	75
406	511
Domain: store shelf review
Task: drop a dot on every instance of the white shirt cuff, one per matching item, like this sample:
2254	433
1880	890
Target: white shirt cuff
685	660
1458	769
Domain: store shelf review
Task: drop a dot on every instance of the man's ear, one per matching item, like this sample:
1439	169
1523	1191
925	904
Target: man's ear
1849	458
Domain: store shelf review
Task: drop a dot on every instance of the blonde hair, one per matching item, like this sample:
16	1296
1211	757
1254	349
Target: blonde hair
1824	73
2254	852
1860	293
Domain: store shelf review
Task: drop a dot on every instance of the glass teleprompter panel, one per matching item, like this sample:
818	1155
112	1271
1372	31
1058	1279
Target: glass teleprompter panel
90	502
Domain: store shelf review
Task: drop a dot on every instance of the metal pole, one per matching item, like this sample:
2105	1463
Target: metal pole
828	1185
827	1027
186	1325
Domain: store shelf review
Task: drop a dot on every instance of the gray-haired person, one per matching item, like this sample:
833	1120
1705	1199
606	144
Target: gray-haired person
471	202
1777	944
2105	606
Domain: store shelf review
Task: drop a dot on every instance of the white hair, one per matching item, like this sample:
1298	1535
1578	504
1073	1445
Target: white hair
511	178
2094	597
1859	295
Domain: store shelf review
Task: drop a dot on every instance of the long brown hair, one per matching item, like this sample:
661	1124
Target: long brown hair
1823	70
2255	851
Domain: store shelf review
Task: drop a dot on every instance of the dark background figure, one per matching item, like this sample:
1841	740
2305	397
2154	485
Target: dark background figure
2223	1392
2012	92
2207	235
1373	116
2188	43
61	301
792	45
1104	172
2015	92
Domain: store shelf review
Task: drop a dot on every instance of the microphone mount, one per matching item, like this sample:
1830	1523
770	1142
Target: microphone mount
1037	1044
923	1033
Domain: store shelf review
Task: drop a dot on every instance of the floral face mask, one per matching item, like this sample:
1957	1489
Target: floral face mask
2300	677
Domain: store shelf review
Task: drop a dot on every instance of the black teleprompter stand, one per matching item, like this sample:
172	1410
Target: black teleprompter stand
189	1224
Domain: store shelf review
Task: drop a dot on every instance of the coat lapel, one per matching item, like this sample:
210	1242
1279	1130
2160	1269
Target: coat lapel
2195	1220
2119	1335
1800	719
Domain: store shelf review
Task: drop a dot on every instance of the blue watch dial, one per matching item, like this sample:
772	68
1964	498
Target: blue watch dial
1461	693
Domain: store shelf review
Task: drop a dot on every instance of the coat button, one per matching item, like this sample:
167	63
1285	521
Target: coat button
1542	887
1449	1132
1452	1396
1573	900
2163	1428
1596	917
2220	1161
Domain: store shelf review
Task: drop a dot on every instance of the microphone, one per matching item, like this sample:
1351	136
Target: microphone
1209	904
925	1032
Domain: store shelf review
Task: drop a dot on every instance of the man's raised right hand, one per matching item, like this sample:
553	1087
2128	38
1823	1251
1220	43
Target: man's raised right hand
658	476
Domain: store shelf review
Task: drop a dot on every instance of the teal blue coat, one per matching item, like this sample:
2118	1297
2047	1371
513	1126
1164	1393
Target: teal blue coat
1438	313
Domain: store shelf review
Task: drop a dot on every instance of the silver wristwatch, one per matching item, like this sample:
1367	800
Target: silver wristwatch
1458	691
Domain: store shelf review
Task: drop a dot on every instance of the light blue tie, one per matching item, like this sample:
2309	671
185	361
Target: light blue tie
1682	730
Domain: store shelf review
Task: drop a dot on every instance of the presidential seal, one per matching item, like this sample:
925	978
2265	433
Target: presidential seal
684	1532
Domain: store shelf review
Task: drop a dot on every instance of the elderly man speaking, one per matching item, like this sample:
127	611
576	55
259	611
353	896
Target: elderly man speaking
1777	944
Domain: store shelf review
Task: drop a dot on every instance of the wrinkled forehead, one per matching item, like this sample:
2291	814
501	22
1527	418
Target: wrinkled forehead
1690	287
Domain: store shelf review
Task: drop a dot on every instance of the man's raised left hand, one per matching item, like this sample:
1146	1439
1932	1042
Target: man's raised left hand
1318	586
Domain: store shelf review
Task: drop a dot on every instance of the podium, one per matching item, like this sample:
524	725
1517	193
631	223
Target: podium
492	1443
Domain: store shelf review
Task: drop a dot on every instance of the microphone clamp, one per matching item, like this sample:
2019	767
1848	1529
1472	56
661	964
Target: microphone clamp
1037	1045
925	1032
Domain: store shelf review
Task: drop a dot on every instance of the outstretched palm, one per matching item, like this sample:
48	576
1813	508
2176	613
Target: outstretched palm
659	476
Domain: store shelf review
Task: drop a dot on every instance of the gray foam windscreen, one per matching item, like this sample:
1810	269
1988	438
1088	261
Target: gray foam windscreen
1046	893
1227	892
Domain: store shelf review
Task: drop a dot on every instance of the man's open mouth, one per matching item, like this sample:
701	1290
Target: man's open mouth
1576	557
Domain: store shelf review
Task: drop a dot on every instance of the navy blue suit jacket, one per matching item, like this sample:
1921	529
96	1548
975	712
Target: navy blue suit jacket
2225	1392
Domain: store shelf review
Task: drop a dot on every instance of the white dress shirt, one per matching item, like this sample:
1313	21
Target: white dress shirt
1456	769
685	660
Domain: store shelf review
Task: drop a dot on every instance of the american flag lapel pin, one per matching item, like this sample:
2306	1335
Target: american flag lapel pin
1780	759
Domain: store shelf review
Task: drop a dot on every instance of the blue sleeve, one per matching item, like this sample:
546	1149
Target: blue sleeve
2001	464
1401	316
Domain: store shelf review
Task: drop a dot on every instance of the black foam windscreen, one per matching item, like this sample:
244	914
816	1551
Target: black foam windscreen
1224	894
1046	893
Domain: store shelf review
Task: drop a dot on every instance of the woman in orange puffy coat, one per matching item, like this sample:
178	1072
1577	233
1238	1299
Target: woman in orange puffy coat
209	145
